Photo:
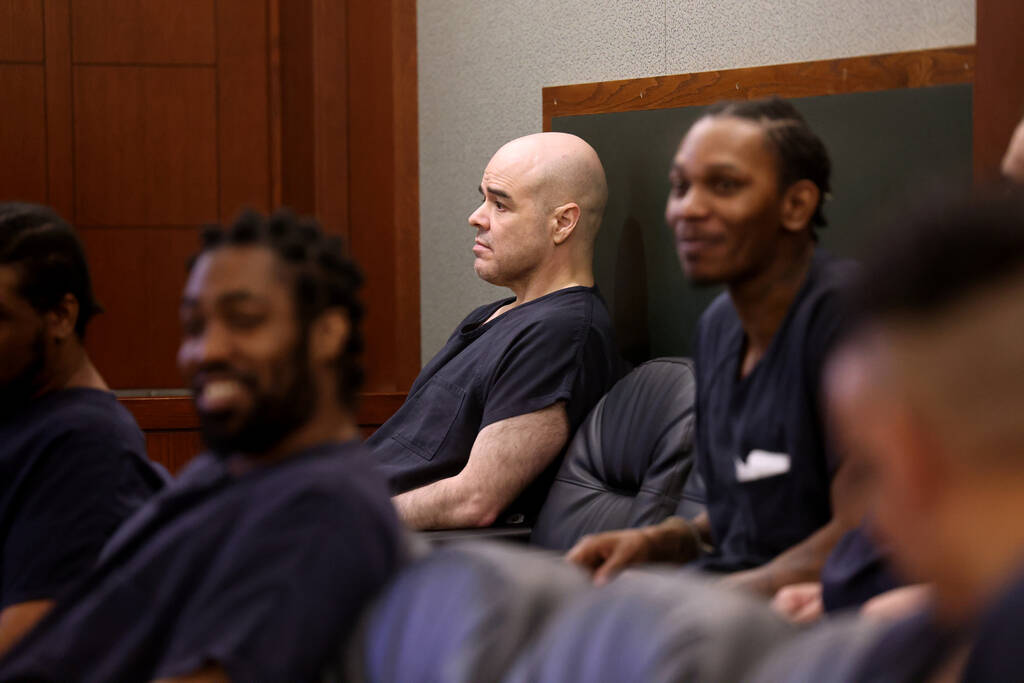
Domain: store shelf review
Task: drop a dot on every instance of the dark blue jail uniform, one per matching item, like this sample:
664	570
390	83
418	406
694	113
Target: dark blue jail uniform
856	570
262	573
761	446
558	347
997	653
73	466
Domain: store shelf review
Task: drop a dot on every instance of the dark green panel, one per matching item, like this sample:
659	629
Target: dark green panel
883	145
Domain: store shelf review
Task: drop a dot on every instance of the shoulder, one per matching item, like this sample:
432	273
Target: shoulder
90	419
719	317
331	478
569	312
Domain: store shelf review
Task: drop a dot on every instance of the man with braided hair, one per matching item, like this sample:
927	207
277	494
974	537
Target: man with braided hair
256	562
747	188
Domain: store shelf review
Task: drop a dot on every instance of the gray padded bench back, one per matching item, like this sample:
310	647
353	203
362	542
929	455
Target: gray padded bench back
629	460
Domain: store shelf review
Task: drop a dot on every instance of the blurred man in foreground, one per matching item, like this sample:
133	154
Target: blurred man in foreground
928	399
256	562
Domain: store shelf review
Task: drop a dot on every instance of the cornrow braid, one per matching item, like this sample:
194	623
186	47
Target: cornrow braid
324	276
801	153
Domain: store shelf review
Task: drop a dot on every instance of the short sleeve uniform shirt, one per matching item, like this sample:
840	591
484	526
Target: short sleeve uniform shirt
558	347
761	446
262	573
73	466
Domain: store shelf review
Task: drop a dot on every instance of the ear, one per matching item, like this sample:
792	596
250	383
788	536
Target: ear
328	336
798	205
61	319
566	218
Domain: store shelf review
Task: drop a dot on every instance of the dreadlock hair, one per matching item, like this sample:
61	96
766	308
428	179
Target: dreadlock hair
49	258
800	152
322	274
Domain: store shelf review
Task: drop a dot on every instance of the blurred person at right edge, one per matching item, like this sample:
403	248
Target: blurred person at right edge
926	395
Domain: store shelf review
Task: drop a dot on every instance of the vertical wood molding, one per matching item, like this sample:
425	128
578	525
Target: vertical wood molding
999	83
407	190
274	100
59	154
330	115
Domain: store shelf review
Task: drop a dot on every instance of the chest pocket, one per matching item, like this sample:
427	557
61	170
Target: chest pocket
433	410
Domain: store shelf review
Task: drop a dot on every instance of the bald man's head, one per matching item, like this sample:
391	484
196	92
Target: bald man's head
1013	160
544	196
562	169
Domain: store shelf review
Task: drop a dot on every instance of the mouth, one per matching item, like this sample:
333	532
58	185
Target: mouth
480	248
219	395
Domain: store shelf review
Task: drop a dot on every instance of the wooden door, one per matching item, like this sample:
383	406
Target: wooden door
142	120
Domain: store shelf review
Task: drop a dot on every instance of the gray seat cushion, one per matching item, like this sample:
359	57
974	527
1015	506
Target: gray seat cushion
462	613
653	626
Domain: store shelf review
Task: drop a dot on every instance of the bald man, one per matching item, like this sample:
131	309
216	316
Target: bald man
1013	161
479	438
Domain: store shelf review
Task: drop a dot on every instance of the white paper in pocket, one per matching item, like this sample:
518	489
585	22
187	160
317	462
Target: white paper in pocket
761	465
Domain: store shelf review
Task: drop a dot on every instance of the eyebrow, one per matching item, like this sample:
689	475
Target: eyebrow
230	298
495	191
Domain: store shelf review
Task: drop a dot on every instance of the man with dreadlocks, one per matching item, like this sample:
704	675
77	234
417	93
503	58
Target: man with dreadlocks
747	188
254	564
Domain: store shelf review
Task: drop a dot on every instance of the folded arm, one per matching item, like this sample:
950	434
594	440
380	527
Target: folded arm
506	456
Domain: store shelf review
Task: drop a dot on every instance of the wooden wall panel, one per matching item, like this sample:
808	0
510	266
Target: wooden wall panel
21	31
173	448
330	115
999	84
23	132
59	162
243	133
144	31
145	145
139	275
171	425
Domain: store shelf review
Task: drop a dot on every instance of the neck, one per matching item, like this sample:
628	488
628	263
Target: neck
763	300
71	368
543	282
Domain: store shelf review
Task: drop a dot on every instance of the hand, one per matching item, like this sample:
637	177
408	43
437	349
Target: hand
608	553
898	603
800	603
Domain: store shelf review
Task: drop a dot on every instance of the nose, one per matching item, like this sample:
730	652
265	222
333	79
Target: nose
478	219
691	205
199	350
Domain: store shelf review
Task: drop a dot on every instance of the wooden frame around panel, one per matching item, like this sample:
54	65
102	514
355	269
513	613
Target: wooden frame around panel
800	79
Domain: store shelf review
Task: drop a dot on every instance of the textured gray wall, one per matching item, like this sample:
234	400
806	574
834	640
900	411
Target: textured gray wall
482	64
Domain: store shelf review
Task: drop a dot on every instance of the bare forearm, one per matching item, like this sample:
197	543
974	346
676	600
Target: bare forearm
803	562
678	540
17	620
445	504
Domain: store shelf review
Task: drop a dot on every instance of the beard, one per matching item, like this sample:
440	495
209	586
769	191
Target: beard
286	406
16	394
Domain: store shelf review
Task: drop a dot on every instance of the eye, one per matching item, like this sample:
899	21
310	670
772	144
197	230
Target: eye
243	320
192	326
499	205
725	185
678	187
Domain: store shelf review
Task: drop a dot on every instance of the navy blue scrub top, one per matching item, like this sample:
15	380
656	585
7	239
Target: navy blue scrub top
761	443
558	347
73	466
263	574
